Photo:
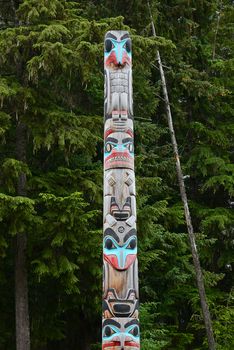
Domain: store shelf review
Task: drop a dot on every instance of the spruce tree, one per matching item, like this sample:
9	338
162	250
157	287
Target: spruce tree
58	96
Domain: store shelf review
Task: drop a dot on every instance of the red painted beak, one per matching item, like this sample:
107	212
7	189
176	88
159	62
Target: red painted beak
113	60
113	261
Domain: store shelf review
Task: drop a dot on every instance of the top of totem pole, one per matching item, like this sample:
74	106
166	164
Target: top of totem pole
118	49
118	34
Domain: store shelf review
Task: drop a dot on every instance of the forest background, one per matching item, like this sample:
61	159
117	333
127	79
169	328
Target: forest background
51	130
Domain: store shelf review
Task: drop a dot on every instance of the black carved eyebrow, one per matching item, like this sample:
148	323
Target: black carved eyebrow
110	232
132	232
109	35
128	139
112	322
111	139
131	323
125	36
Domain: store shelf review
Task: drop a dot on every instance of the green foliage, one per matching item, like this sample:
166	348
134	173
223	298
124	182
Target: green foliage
153	337
52	81
63	254
223	326
17	214
5	124
11	170
39	11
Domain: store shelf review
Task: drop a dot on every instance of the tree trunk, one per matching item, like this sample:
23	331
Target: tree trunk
218	12
196	261
21	284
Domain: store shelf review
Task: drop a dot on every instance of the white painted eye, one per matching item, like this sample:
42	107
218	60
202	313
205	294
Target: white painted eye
130	147
109	147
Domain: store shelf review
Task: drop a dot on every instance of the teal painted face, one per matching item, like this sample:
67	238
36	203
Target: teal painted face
120	254
118	51
120	333
120	257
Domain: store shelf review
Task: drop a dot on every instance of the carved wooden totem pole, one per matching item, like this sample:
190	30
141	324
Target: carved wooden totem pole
120	327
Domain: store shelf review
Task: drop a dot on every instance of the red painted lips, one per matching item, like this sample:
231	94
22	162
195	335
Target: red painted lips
119	160
113	344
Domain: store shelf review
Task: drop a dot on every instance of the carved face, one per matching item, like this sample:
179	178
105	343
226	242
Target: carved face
113	306
120	253
120	334
120	214
119	150
118	49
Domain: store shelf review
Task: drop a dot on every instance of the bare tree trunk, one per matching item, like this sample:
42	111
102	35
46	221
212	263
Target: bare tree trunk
196	261
216	30
21	275
21	283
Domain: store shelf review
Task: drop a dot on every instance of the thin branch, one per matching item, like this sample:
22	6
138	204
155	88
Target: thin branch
216	30
196	260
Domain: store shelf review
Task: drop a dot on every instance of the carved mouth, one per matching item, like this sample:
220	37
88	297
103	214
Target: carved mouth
119	159
120	215
111	344
117	343
132	344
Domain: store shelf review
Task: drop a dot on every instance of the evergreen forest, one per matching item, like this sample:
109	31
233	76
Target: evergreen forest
51	169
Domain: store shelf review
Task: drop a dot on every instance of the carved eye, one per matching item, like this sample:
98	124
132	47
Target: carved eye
135	331
108	45
108	331
109	244
132	244
108	147
128	46
130	147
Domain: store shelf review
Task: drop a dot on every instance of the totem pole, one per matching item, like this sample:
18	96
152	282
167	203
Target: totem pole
120	327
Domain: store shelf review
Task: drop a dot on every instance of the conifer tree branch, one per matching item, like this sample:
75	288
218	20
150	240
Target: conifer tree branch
195	255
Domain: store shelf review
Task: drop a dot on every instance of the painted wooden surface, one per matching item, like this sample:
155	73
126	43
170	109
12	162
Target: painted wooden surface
120	328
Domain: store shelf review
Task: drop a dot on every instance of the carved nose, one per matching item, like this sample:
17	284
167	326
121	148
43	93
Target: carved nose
119	55
121	259
122	339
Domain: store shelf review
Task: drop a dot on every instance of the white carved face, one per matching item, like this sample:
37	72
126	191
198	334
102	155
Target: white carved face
119	150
